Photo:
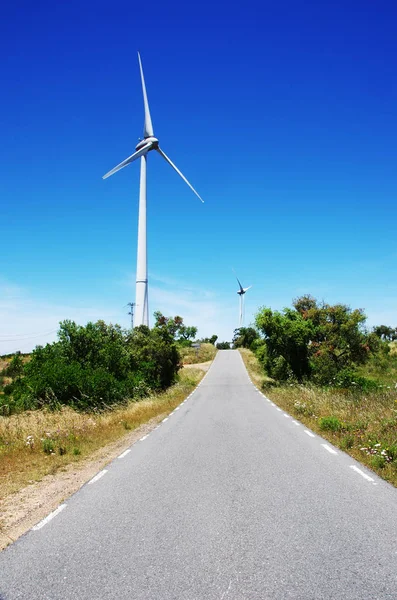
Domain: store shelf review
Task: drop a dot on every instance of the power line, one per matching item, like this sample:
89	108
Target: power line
21	337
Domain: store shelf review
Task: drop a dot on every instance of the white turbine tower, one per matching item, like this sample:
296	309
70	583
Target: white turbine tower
241	292
148	143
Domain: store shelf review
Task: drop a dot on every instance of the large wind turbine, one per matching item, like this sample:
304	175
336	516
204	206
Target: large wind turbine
148	143
241	292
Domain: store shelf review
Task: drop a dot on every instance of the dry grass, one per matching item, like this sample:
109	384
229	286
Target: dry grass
190	356
254	368
364	424
36	443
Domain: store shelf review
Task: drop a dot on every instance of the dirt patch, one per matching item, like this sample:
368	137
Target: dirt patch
20	511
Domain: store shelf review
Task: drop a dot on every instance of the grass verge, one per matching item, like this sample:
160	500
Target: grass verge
190	356
37	443
363	424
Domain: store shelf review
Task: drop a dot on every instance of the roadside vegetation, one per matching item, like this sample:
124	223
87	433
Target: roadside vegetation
96	383
40	442
319	363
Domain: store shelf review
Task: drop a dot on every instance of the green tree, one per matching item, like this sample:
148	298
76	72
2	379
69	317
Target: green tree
385	333
244	337
287	335
154	356
315	340
223	345
209	340
175	327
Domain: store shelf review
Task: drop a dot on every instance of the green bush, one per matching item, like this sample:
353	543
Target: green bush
94	367
330	424
348	378
15	367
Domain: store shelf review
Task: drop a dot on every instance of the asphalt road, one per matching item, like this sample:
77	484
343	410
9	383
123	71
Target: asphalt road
228	499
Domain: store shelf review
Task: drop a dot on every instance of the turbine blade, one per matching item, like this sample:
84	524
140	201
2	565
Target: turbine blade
178	171
241	287
148	127
129	160
248	288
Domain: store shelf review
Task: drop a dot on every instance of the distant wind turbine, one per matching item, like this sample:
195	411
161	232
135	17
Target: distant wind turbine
241	292
148	143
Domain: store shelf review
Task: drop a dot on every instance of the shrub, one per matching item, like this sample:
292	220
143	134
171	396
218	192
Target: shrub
330	424
48	446
94	367
15	367
348	378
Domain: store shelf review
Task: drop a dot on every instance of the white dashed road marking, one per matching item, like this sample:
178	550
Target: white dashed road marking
329	449
143	438
309	433
98	476
124	453
360	472
49	517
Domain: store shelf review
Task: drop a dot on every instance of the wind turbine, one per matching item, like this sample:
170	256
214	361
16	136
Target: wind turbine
241	292
145	146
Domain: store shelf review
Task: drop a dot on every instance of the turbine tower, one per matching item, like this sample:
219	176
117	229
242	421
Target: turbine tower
241	292
148	143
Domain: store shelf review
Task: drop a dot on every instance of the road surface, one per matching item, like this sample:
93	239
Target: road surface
229	499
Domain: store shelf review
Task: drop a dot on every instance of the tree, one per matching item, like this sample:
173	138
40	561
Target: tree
287	335
223	346
315	340
175	327
385	333
244	337
209	340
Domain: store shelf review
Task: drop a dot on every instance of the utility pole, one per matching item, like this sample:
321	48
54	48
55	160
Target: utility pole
131	312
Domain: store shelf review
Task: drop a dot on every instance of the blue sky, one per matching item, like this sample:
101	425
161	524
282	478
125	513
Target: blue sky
283	116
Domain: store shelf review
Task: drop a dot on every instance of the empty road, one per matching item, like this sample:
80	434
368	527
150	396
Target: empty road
229	499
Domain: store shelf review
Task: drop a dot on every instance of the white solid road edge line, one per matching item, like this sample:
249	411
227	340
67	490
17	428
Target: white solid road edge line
124	453
329	449
49	517
98	476
360	472
309	433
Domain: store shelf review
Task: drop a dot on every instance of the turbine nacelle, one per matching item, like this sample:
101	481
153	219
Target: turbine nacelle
149	140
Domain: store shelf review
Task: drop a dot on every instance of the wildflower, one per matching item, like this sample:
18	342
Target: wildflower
30	441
